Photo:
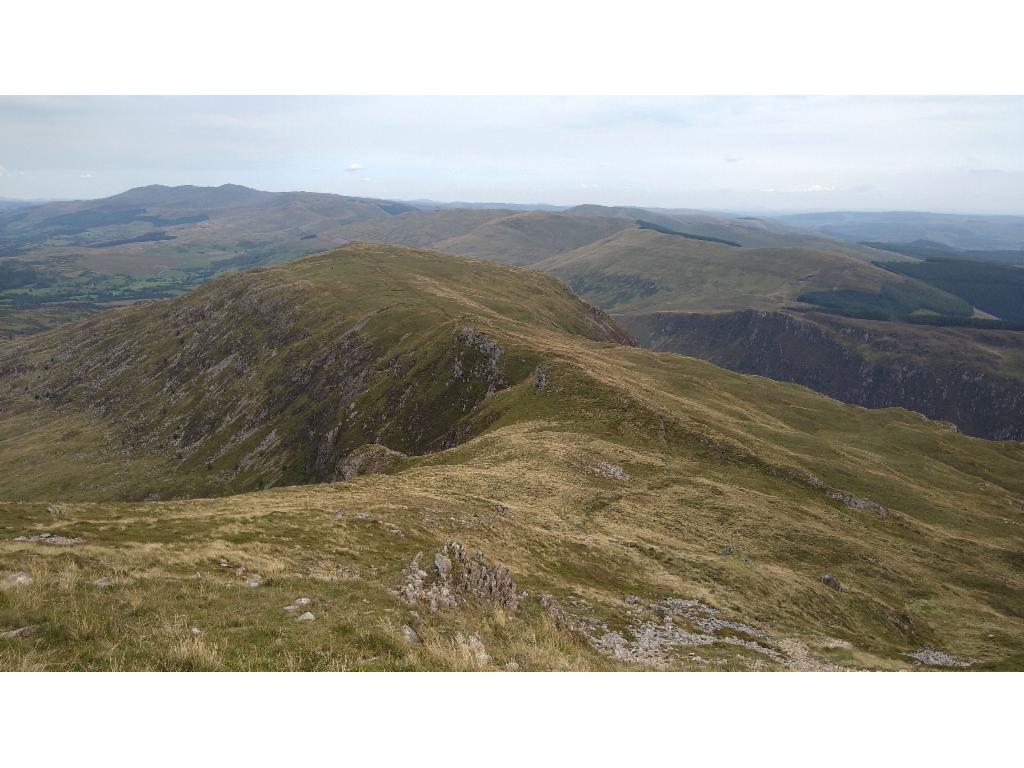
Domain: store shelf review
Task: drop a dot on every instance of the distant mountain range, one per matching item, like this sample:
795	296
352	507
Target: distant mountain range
962	231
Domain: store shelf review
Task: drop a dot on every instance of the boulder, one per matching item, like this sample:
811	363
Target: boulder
409	635
831	582
17	579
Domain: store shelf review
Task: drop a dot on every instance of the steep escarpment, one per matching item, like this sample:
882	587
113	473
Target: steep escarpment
274	376
962	376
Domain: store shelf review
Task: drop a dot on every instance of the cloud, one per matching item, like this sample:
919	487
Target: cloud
85	175
3	171
732	159
811	188
355	167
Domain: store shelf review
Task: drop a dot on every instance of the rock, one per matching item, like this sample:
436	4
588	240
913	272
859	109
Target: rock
55	539
253	580
728	550
17	579
512	666
835	643
54	510
657	628
474	647
455	574
102	582
223	563
196	575
409	634
307	616
933	658
196	631
555	611
607	469
541	377
303	601
501	509
21	633
853	502
831	582
291	608
442	565
369	459
903	621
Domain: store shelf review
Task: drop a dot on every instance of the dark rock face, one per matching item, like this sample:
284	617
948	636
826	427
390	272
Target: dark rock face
847	360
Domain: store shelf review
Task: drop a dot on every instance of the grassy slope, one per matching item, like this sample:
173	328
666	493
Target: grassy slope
527	238
643	270
270	376
749	231
710	460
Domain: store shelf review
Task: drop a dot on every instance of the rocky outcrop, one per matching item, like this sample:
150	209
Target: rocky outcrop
455	575
868	363
367	460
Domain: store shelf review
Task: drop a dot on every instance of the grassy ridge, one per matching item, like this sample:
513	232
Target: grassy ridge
597	472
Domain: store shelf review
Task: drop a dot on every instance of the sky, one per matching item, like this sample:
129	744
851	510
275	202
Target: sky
723	153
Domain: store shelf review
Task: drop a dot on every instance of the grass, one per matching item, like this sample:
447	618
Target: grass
713	497
646	270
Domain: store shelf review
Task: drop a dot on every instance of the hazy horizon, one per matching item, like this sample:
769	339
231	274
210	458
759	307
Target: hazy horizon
771	155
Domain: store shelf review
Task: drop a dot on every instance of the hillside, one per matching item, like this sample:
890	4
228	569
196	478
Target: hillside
643	269
632	509
62	261
151	242
970	378
269	376
748	231
996	289
762	311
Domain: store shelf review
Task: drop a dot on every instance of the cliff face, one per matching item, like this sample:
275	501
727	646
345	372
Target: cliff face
876	365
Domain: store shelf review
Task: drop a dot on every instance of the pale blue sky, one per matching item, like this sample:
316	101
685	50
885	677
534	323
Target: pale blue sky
946	154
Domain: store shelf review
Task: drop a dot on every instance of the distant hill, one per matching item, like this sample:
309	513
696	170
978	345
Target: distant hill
962	231
749	231
63	259
11	205
206	223
928	249
641	269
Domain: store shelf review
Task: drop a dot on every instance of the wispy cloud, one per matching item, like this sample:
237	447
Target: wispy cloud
848	152
812	188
